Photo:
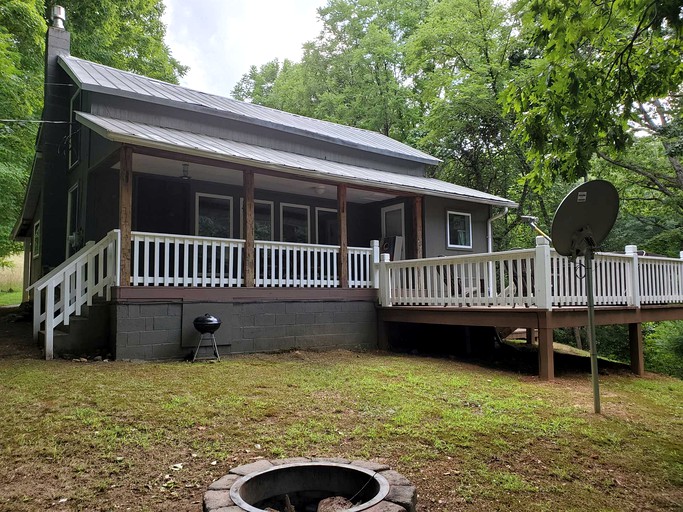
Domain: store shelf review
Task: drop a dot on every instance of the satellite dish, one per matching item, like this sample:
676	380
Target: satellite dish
585	217
582	221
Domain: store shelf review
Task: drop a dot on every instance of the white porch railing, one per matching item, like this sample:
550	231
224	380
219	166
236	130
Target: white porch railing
531	278
179	260
90	272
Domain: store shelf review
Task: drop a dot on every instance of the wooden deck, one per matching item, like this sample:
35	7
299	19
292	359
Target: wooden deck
543	321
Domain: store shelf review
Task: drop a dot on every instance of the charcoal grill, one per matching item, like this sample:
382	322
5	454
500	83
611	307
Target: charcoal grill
207	325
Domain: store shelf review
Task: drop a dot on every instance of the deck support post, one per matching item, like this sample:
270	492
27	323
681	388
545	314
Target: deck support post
249	248
125	212
635	337
418	227
546	356
343	237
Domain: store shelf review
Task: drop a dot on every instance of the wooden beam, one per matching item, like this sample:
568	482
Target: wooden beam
418	226
249	260
546	359
343	237
126	211
635	337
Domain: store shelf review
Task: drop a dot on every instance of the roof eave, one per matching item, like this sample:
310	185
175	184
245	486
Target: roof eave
295	171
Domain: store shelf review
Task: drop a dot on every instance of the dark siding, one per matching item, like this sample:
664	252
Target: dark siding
160	205
102	203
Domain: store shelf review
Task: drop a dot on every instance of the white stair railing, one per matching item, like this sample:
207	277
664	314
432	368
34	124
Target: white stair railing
90	272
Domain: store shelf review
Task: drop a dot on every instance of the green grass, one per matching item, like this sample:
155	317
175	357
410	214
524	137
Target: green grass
10	297
107	435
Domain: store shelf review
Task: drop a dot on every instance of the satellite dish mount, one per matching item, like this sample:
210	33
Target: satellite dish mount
581	223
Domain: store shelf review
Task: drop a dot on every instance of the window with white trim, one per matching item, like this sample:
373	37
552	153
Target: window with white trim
213	215
295	220
459	230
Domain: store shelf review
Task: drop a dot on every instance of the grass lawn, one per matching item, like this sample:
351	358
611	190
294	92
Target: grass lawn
110	436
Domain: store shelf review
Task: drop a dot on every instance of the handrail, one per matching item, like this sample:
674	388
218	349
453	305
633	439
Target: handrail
90	272
40	282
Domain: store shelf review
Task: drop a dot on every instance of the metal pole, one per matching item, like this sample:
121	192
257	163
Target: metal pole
591	330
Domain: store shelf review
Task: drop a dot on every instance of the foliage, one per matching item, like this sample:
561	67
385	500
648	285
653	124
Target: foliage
664	348
22	30
124	34
590	71
353	73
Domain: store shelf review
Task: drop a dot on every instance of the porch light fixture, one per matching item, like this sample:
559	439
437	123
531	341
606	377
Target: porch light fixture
319	189
186	171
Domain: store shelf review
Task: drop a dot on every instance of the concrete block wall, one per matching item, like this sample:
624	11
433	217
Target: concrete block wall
165	331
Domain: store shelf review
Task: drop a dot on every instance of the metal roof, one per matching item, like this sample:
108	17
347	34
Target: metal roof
99	78
238	152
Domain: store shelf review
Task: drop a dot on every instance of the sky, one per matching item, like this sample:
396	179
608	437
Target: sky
220	39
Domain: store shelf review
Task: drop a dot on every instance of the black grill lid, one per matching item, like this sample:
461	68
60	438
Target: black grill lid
207	323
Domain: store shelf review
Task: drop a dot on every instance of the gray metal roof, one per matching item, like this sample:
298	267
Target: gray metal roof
238	152
99	78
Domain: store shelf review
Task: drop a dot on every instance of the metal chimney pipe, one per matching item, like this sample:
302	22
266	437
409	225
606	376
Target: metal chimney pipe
58	16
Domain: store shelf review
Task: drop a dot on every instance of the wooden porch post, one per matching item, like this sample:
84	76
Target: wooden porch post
249	265
635	337
417	226
126	211
546	359
343	237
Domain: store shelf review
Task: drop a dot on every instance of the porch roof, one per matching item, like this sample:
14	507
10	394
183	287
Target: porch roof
150	136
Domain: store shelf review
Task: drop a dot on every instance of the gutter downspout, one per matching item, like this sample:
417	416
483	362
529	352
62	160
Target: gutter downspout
489	228
489	236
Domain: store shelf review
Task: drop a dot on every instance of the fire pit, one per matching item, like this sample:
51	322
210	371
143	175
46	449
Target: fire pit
303	483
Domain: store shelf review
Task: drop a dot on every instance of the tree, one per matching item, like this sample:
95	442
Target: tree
459	59
593	69
22	31
127	34
352	73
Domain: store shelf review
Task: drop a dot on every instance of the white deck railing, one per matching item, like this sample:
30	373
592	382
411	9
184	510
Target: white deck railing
90	272
531	278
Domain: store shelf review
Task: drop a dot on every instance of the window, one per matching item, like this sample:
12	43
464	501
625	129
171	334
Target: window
72	238
326	226
74	130
36	239
213	216
263	219
459	230
393	221
294	222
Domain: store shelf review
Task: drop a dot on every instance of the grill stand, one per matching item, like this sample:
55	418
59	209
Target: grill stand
207	336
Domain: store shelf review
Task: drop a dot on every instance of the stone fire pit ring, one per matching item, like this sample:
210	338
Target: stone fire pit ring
244	487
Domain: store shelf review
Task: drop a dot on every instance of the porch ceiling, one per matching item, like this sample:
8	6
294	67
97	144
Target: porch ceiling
173	168
195	144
